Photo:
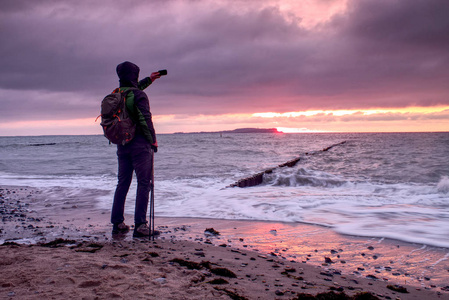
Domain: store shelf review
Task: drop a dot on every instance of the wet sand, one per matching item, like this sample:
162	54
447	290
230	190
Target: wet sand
270	260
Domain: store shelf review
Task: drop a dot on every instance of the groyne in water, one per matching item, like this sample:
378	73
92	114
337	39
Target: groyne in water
46	144
257	179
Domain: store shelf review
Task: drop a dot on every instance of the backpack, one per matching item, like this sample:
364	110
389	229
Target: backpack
117	126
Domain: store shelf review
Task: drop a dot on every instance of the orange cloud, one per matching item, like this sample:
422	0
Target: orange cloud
368	120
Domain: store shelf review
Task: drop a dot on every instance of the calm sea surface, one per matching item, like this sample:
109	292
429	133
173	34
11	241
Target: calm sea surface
393	185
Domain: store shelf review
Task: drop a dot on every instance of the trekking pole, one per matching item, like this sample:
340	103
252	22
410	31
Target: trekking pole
151	237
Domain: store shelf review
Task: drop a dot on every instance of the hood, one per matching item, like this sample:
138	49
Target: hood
128	73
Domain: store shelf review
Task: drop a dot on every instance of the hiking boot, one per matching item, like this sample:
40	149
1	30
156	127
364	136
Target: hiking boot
141	230
120	228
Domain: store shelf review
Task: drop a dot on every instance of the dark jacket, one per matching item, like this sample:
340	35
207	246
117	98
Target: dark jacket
136	100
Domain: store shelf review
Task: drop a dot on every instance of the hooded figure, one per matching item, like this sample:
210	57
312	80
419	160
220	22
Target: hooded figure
137	155
128	74
137	101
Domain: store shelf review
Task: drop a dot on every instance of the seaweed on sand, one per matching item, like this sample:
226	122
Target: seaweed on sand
335	296
58	243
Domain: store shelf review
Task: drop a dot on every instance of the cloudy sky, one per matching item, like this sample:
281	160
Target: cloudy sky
309	65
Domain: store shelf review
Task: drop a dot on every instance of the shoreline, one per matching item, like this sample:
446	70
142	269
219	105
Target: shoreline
327	257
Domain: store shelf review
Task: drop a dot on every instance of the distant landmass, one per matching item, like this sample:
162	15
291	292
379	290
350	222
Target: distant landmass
240	130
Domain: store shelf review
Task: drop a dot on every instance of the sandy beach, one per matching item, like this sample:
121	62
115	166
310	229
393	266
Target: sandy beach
53	249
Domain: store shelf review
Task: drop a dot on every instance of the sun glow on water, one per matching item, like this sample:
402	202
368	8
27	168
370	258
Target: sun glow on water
297	130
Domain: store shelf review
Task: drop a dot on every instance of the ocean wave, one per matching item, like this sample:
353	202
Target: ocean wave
102	182
303	177
443	185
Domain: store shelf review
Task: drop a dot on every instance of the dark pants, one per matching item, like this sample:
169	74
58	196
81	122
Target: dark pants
136	156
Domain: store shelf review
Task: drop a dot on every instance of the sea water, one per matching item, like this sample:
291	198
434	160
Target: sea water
393	185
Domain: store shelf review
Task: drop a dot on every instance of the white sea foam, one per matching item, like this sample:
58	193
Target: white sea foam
444	258
443	185
408	212
67	181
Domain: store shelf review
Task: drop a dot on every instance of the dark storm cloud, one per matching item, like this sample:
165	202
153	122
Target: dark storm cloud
401	44
418	23
222	59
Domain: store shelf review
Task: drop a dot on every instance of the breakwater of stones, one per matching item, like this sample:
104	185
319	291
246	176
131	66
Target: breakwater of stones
257	178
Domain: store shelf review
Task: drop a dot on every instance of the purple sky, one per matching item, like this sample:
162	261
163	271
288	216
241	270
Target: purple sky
224	58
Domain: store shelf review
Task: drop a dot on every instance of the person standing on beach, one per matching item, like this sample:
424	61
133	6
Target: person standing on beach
137	155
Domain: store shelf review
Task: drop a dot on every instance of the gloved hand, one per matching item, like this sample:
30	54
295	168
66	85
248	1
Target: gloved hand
154	147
